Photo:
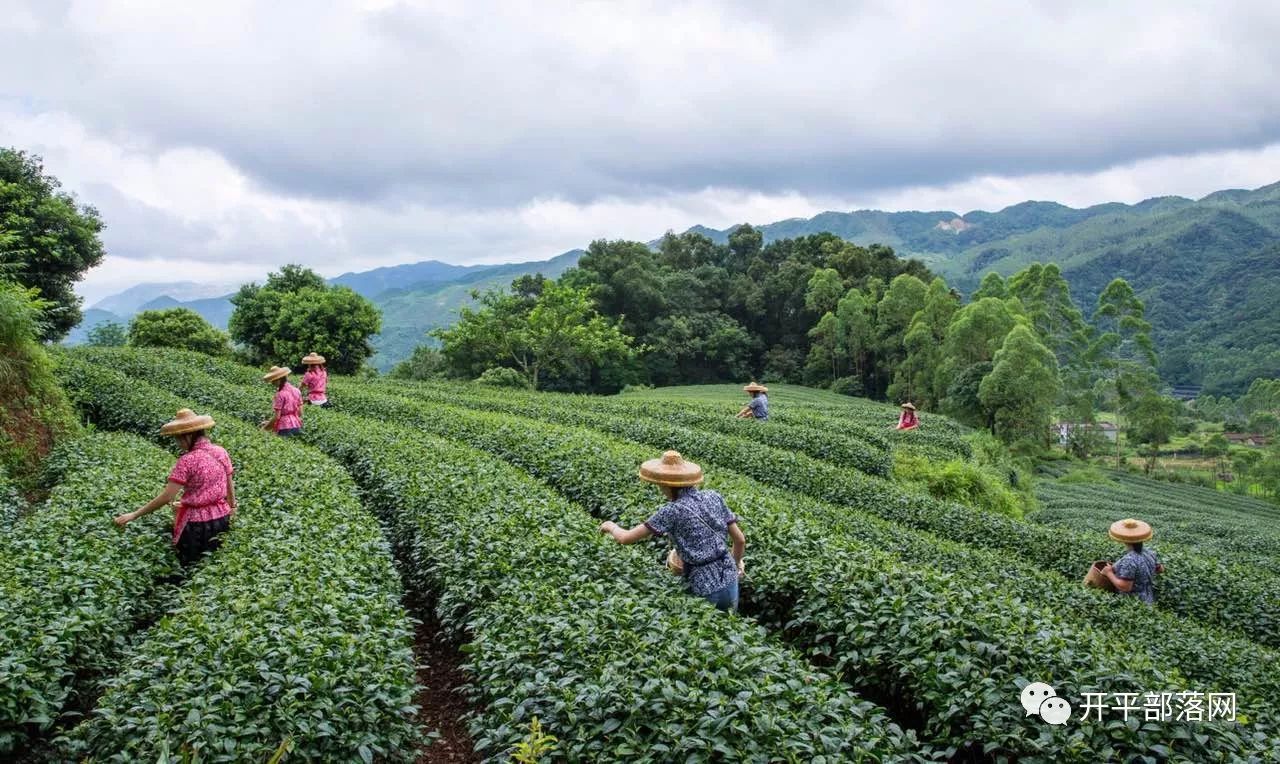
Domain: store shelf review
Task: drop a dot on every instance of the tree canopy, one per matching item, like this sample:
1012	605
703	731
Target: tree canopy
181	328
544	330
50	239
295	312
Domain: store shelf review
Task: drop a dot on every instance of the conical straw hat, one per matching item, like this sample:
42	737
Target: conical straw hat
909	405
186	421
671	470
311	359
755	387
1130	531
277	372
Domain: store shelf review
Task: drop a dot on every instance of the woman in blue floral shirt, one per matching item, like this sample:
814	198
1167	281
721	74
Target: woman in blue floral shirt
1134	574
698	522
758	406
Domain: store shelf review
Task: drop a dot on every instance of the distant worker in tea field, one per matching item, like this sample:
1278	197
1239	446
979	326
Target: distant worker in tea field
1134	574
698	522
204	476
758	406
908	419
286	409
315	380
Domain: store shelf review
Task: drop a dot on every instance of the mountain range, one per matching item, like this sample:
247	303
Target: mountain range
414	299
1208	270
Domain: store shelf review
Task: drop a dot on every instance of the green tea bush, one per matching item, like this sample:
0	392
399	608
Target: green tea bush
590	638
292	631
11	501
947	646
1216	591
73	585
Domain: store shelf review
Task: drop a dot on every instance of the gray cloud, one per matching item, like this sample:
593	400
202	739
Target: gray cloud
488	105
227	139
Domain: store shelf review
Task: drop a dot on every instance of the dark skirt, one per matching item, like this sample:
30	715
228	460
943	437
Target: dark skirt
198	538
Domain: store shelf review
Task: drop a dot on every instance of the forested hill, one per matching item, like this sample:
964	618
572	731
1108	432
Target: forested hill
1208	270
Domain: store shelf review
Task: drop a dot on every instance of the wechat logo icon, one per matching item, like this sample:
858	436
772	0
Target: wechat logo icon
1039	699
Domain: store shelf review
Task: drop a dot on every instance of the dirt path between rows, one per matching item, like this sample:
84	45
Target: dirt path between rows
444	708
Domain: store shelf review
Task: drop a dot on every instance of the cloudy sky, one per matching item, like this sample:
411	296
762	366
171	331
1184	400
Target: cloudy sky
222	139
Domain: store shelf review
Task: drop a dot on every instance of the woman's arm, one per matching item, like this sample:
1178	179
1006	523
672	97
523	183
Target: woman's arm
622	536
166	496
231	493
270	424
739	545
1122	584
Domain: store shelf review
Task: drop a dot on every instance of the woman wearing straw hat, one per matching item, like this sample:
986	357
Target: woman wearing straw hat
286	409
908	419
204	476
1134	574
697	522
758	406
315	380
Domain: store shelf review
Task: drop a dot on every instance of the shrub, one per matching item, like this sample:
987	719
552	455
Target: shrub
851	386
959	481
501	376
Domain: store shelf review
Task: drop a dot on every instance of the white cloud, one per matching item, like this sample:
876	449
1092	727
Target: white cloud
226	139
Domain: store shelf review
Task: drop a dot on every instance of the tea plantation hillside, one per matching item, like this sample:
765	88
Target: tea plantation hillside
884	617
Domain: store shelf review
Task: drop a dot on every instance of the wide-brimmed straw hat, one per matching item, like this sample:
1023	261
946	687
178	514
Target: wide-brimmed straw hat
186	421
311	359
909	405
755	387
277	372
671	470
1130	531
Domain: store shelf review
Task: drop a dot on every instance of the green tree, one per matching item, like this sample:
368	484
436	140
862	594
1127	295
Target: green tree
856	334
921	376
50	239
824	292
295	313
335	322
558	331
108	334
181	328
425	363
992	286
822	366
1122	352
1021	389
904	297
1155	420
698	348
1216	448
1046	300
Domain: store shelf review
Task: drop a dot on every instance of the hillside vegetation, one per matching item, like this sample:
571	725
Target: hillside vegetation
879	622
1206	268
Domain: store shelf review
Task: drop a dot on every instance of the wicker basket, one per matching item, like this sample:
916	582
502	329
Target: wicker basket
1095	579
674	563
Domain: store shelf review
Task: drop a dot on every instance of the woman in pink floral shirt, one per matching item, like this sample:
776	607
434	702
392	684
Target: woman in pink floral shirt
315	380
286	409
203	475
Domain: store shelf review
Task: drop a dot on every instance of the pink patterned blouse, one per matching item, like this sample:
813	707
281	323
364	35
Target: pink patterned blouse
288	404
203	472
315	380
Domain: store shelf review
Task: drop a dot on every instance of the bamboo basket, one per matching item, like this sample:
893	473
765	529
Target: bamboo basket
1095	579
